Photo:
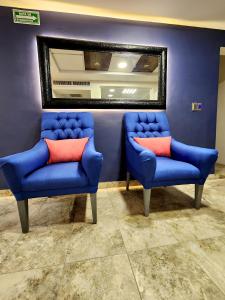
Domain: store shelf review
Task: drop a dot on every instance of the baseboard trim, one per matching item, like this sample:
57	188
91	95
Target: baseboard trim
116	184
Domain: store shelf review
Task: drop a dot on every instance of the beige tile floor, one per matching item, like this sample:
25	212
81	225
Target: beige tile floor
176	253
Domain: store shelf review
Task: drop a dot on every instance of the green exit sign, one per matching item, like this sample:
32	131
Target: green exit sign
26	17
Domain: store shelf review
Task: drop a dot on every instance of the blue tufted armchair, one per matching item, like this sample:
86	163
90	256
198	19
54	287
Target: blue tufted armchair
29	176
187	165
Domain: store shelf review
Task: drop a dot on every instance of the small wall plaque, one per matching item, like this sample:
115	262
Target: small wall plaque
196	106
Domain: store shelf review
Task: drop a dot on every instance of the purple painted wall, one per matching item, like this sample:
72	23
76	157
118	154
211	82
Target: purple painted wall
193	62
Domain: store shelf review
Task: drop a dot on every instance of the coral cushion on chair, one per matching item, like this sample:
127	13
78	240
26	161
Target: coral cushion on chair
65	150
159	145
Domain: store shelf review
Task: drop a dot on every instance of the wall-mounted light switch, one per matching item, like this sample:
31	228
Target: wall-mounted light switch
196	106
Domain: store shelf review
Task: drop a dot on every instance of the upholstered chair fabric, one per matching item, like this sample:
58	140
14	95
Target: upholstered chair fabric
29	176
146	125
188	164
64	125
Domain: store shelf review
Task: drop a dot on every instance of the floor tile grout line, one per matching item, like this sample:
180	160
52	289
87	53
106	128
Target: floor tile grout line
204	270
131	267
208	273
211	278
64	263
147	248
30	269
134	276
126	249
128	254
99	257
176	243
93	258
7	257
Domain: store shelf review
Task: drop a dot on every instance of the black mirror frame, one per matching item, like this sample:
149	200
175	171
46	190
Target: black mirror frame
45	43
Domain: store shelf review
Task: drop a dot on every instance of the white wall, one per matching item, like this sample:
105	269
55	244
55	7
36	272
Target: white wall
220	131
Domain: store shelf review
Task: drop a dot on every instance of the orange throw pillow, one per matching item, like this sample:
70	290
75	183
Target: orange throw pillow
65	150
159	145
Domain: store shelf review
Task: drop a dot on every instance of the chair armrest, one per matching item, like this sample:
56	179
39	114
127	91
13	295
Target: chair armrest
140	159
92	162
202	158
16	166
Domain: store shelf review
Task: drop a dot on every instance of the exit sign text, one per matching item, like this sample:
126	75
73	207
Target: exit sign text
26	17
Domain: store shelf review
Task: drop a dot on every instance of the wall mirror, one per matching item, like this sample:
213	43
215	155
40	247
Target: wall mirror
83	74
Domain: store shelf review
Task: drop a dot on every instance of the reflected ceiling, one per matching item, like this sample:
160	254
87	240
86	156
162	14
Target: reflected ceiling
103	75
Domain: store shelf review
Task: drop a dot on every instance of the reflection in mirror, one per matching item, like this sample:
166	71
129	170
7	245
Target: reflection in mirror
104	75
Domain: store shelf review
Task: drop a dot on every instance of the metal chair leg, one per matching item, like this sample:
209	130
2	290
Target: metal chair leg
147	198
23	214
198	195
128	181
94	207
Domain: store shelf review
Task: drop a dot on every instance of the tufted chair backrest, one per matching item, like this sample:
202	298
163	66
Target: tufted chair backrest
66	125
146	124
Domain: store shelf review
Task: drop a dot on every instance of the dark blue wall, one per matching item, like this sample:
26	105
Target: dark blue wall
193	59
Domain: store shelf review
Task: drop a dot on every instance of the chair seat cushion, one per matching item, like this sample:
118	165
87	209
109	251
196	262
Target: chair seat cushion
56	176
168	169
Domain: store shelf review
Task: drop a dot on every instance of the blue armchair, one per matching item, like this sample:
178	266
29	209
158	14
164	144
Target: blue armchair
29	176
187	165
